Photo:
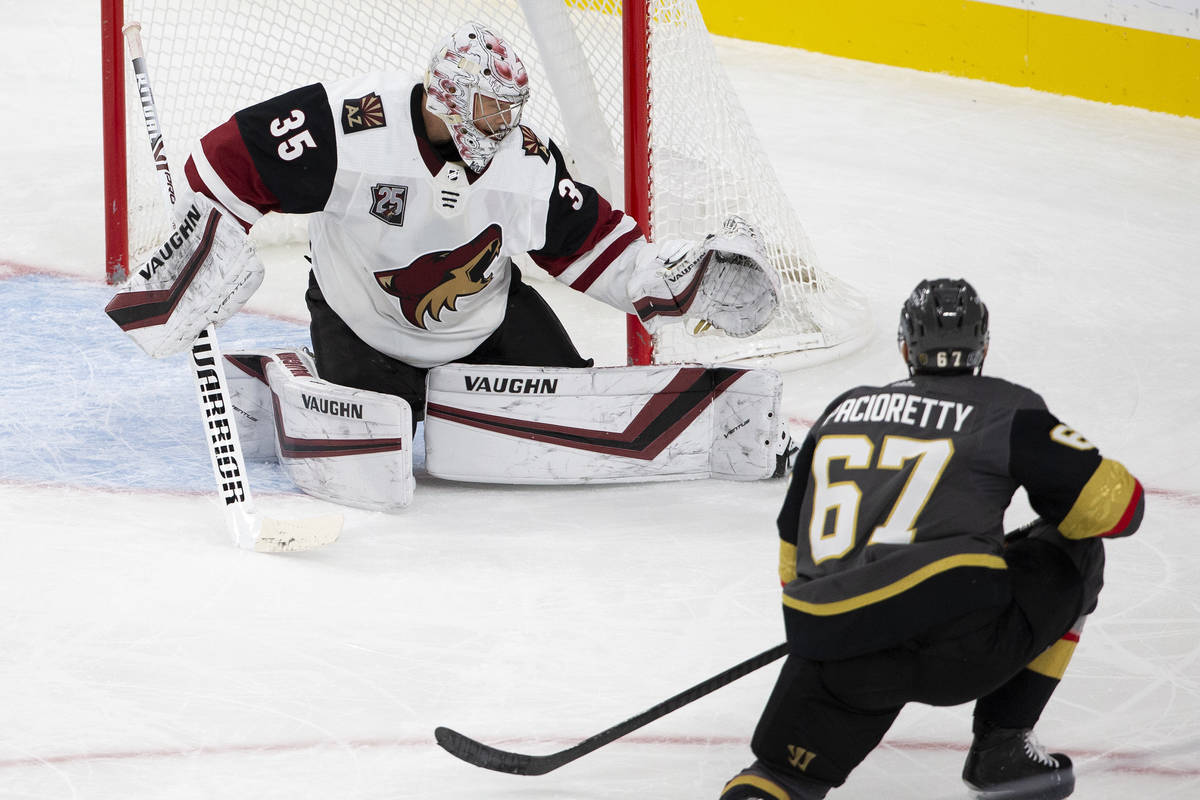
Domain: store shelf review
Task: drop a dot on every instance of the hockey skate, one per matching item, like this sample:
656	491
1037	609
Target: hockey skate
785	456
758	782
1009	764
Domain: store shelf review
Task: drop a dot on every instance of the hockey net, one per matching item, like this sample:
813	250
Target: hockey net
702	159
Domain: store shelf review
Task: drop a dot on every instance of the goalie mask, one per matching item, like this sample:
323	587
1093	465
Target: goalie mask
943	328
477	86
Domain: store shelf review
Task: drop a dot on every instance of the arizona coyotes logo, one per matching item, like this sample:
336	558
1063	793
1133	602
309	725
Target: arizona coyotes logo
533	146
435	281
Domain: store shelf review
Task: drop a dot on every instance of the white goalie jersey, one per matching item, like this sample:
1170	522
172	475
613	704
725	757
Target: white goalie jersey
410	249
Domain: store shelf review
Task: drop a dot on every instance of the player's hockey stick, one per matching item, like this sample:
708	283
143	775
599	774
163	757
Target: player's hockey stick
488	757
247	528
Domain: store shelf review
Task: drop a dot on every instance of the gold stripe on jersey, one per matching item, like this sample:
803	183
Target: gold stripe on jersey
1101	503
787	562
1054	659
926	572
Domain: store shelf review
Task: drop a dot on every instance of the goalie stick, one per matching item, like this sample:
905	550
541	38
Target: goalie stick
248	529
488	757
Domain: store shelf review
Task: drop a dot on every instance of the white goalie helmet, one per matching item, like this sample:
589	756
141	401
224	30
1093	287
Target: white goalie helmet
478	86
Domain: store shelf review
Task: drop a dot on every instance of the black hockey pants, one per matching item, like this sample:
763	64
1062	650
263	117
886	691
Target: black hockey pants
823	718
531	335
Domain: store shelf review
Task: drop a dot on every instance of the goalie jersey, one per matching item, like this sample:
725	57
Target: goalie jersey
894	521
410	249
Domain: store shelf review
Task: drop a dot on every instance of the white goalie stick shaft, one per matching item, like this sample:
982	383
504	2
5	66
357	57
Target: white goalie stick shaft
247	528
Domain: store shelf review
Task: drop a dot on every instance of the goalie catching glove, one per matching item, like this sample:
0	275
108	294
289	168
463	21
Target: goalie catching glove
204	272
725	280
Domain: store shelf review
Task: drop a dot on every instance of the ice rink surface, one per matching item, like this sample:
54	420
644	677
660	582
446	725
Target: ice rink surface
143	656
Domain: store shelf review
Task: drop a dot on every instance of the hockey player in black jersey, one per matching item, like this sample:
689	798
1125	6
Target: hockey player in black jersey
900	584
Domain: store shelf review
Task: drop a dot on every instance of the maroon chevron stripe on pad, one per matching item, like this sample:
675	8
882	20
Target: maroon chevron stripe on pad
253	365
667	413
133	310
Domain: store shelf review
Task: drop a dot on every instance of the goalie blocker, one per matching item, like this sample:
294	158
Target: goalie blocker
502	424
202	274
348	446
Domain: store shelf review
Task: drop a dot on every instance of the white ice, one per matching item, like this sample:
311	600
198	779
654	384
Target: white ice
143	656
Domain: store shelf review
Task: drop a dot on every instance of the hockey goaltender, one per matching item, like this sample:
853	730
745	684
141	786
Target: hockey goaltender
420	192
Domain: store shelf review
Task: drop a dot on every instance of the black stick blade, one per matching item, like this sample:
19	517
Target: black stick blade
488	757
482	755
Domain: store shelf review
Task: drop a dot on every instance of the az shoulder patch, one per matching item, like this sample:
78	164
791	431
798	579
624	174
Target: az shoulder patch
533	145
362	113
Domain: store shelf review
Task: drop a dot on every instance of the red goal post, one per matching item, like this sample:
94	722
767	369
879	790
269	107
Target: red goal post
632	91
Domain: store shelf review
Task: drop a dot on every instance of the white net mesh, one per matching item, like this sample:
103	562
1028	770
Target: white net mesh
207	60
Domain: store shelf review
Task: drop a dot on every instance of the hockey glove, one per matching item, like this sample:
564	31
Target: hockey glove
725	280
204	272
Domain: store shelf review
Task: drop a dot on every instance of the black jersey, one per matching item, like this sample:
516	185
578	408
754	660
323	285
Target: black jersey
894	520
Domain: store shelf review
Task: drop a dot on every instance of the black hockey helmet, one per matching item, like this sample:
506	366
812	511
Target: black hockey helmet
943	328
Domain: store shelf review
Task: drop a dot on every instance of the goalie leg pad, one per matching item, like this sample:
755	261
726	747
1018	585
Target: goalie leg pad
541	425
748	428
348	446
253	410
